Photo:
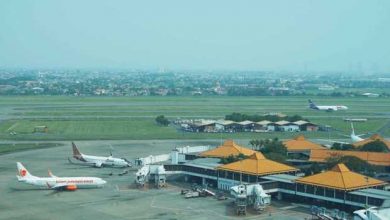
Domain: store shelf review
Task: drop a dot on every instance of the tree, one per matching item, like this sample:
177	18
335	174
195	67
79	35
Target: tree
354	164
375	146
272	149
162	120
340	146
231	158
256	144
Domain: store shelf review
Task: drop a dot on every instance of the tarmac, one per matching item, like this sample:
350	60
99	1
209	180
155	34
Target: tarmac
120	198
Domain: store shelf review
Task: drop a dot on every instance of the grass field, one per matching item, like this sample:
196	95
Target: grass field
6	148
89	118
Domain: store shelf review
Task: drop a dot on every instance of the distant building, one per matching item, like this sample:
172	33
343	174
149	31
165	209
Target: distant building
369	94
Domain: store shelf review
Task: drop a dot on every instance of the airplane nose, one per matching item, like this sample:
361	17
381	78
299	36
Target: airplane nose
102	182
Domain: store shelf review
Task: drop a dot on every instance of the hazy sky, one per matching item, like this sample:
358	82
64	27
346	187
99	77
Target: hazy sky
319	35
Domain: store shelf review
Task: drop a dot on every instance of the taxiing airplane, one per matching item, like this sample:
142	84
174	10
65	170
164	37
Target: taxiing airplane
355	138
58	183
98	161
328	108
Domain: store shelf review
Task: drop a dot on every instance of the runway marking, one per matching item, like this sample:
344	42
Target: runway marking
288	207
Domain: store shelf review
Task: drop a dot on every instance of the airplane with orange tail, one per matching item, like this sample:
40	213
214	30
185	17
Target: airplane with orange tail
58	183
98	161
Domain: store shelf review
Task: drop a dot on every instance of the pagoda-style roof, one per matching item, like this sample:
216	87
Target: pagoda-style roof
340	178
258	165
228	148
299	143
374	158
375	137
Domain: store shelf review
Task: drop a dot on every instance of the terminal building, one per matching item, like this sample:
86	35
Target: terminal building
337	187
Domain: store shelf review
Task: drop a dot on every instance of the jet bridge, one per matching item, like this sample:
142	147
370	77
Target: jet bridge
250	194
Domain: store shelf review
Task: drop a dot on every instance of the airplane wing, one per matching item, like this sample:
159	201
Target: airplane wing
85	163
98	164
332	141
62	186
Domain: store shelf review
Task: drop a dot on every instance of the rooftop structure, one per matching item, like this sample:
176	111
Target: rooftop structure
299	143
341	178
301	122
283	122
375	137
263	122
374	158
247	122
228	148
258	165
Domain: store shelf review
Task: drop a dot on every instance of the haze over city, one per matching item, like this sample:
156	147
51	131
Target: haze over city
209	35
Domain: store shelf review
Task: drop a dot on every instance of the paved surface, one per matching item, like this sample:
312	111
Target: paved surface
119	199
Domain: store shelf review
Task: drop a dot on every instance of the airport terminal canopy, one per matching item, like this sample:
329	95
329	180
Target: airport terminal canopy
375	137
374	158
341	178
228	148
258	165
299	143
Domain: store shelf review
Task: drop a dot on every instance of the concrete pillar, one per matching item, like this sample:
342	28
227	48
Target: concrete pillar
279	196
203	181
175	157
185	178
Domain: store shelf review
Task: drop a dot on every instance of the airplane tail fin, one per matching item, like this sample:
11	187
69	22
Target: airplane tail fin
22	172
76	152
353	130
50	173
311	104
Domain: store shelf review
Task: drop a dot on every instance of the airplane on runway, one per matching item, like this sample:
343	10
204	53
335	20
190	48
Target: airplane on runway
328	108
98	161
355	138
58	183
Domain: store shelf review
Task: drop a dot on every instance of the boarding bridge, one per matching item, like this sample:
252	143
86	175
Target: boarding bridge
250	194
149	171
176	156
372	214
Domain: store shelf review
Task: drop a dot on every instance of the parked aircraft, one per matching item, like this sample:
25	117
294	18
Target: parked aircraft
99	161
58	183
328	108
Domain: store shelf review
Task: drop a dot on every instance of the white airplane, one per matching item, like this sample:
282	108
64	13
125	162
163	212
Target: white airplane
99	161
58	183
355	138
328	108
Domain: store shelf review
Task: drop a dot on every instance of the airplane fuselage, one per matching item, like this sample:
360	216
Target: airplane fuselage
78	182
103	161
330	107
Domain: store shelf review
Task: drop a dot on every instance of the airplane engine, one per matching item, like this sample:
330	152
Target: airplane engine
71	187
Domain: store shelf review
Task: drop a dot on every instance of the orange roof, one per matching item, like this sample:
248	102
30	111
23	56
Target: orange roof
375	158
228	148
371	139
257	164
340	177
299	143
